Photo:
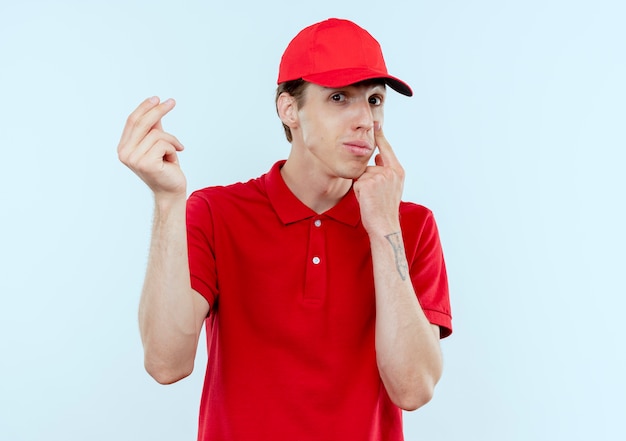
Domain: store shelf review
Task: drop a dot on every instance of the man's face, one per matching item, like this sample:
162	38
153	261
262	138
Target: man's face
336	127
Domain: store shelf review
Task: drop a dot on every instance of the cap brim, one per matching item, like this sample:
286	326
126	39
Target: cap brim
347	77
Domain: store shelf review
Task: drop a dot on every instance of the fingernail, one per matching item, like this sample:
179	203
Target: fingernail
377	126
154	100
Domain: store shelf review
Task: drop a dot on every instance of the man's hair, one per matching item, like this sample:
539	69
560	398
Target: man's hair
296	89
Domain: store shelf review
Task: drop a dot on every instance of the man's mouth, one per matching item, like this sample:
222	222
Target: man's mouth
357	147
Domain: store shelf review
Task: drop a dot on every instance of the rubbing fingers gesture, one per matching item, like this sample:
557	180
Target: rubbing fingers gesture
150	152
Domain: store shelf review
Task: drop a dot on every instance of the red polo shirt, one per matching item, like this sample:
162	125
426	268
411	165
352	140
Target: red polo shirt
291	328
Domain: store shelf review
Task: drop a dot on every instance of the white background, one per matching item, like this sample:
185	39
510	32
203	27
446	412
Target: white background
515	138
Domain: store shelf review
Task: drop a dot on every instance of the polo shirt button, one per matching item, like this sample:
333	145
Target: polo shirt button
317	222
316	260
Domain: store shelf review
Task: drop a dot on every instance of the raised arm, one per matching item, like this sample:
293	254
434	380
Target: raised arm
407	344
171	313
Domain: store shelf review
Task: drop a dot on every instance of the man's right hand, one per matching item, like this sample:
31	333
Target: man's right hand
152	153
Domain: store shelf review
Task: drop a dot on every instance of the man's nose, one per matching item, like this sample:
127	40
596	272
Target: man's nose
364	117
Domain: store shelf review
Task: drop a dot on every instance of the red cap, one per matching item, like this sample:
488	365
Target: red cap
336	53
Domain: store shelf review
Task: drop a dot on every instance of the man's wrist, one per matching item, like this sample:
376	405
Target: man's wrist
166	202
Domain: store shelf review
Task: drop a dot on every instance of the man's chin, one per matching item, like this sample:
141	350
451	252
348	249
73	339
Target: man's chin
358	174
353	171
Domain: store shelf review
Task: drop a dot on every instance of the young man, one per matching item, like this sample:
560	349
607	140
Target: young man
324	295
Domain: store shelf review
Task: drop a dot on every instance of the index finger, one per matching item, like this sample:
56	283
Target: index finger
146	116
387	154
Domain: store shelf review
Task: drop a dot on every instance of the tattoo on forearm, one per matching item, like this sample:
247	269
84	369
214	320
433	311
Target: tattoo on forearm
395	239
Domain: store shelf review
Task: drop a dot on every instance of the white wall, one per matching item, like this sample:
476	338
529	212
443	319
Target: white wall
515	138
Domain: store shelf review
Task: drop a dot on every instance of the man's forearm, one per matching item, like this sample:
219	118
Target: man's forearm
407	344
170	312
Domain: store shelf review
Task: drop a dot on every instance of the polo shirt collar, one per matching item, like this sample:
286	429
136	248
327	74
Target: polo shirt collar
290	209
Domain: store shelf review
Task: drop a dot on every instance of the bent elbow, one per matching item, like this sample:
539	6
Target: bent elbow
166	378
412	398
167	375
413	401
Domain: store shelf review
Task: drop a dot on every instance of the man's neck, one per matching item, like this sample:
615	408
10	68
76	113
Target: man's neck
314	189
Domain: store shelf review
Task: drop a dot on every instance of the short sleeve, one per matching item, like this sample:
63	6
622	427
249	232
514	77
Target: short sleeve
201	247
427	266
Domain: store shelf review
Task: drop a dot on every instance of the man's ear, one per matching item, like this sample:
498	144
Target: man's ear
287	110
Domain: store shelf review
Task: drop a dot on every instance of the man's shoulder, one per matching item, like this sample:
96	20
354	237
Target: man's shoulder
238	191
417	220
415	210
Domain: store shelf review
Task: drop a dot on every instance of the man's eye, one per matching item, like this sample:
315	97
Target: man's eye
338	97
376	100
